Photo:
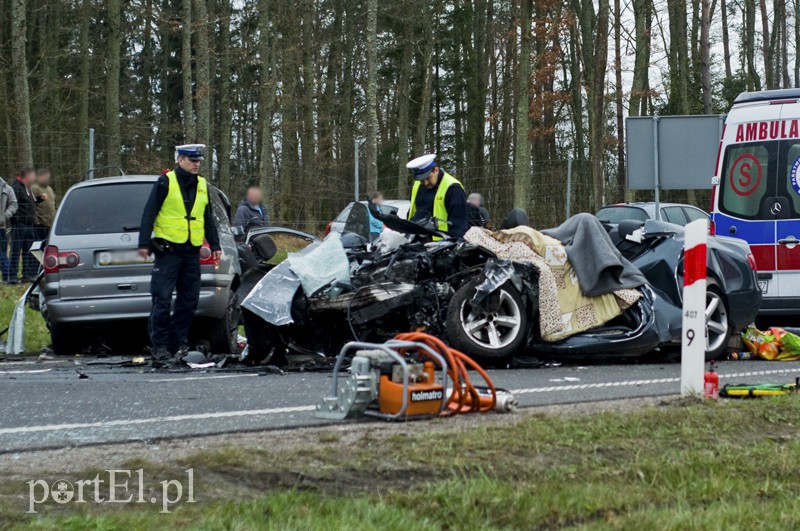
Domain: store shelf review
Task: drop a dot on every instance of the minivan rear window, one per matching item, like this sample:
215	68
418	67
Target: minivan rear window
103	209
745	178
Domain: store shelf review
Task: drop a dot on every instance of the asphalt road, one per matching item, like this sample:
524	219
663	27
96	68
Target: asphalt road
46	405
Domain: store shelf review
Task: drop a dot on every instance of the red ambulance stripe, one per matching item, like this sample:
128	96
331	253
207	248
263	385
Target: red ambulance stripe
788	259
765	256
694	264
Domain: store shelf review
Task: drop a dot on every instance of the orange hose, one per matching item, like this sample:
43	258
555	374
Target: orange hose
464	397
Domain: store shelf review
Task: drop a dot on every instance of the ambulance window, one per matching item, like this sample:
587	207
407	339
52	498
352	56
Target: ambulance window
792	175
743	183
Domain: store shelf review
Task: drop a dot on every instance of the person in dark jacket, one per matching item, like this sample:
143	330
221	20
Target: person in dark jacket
22	228
46	204
477	215
176	221
251	212
8	207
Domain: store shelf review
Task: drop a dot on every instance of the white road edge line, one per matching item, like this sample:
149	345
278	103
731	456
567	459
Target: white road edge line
174	418
25	372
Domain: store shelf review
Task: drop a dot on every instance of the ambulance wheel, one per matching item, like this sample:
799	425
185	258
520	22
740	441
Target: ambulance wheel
498	332
718	328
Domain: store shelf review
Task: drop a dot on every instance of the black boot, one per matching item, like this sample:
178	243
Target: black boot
162	359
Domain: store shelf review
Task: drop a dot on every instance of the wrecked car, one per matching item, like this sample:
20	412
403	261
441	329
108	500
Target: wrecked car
493	295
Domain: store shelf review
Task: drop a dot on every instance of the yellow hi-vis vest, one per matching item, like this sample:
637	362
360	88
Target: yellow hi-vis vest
439	210
173	223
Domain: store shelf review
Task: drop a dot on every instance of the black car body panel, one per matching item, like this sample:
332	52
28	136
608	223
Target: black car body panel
410	287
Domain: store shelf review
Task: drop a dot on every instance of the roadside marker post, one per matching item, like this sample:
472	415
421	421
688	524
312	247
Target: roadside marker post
693	331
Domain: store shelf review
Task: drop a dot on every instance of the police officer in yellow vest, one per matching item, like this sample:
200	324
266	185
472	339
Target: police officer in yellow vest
437	193
176	221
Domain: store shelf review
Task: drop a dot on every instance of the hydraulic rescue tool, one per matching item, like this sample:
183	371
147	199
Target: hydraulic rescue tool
412	376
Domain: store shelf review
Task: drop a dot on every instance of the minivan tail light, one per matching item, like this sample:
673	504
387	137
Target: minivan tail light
751	260
712	228
206	255
54	260
328	228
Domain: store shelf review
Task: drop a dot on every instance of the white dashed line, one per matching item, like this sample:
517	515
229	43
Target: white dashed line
189	378
633	383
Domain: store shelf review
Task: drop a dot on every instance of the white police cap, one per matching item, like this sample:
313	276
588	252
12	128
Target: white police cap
192	151
422	166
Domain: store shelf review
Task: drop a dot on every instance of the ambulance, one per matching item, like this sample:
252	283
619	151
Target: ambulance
756	191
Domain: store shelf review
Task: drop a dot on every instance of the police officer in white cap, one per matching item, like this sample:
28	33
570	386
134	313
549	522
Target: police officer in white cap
176	222
437	193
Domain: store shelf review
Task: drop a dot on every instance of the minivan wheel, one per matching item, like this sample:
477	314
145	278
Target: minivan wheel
718	328
66	338
224	333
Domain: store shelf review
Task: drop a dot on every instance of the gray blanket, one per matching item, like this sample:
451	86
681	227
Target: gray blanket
599	266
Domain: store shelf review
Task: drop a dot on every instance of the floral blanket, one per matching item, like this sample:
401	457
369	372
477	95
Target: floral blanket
563	308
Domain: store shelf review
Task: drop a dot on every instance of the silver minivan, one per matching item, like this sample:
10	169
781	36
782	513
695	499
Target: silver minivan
94	277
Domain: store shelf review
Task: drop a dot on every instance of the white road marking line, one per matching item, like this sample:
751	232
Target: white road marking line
758	373
26	372
174	418
300	409
628	383
189	378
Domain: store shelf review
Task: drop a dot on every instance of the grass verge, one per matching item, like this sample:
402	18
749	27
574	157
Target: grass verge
675	466
36	334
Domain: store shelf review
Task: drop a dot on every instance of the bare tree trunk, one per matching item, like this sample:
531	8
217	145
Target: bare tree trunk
186	71
597	103
112	82
307	143
266	100
403	103
768	66
19	66
203	93
783	25
428	34
618	98
522	142
749	44
726	46
643	19
796	40
576	84
225	114
679	57
372	95
83	112
705	66
594	49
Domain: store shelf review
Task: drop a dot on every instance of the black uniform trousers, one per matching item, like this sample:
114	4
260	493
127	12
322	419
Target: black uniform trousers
175	270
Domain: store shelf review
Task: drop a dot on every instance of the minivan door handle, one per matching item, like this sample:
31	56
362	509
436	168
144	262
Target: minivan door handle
790	241
126	287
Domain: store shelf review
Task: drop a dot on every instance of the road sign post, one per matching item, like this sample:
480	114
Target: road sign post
693	331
